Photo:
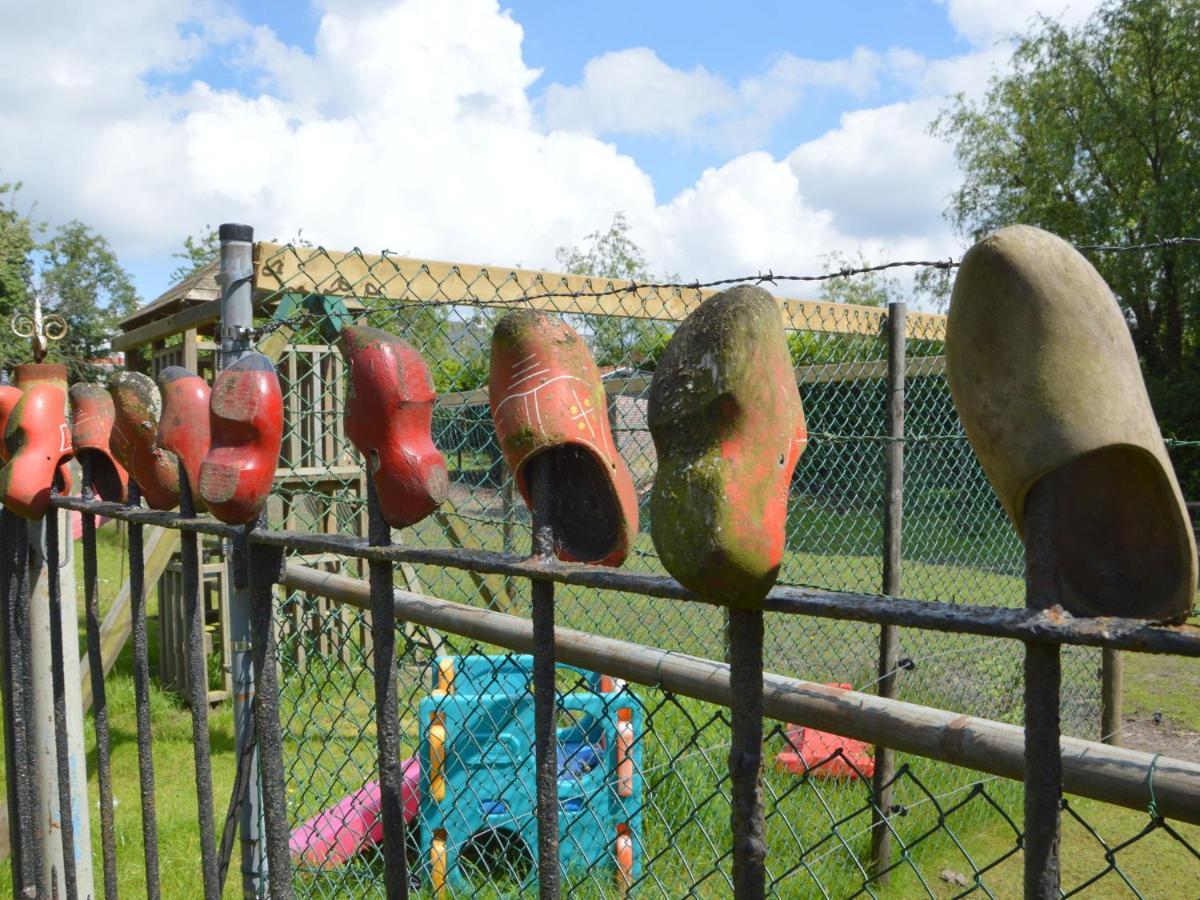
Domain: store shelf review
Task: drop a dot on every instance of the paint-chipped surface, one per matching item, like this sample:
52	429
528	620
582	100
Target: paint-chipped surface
728	428
38	442
92	416
547	401
183	429
246	430
134	440
389	419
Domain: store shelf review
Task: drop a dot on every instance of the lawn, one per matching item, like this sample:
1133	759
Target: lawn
818	830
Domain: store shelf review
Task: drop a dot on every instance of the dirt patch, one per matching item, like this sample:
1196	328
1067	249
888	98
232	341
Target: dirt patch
1163	737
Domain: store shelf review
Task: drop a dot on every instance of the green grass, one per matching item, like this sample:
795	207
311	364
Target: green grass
817	830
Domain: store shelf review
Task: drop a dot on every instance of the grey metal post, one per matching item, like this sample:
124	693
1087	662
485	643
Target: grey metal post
237	318
889	635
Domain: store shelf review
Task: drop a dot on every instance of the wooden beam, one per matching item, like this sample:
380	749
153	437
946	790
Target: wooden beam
279	268
491	587
192	317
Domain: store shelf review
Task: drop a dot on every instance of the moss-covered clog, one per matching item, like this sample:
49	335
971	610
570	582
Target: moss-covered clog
1045	378
134	441
728	428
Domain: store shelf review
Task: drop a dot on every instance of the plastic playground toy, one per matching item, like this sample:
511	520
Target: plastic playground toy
728	428
38	441
1045	378
389	417
183	428
822	754
246	421
333	836
549	406
477	776
92	416
134	440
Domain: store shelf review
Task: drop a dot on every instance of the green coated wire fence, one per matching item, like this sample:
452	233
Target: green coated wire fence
955	831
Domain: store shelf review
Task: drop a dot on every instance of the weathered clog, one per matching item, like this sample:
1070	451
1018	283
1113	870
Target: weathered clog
246	423
92	416
549	408
183	428
389	418
1046	381
9	396
134	440
37	439
728	427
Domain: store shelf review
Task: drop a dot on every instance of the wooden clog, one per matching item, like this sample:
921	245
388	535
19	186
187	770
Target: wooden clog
92	416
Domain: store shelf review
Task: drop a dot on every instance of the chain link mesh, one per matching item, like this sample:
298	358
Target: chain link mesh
954	831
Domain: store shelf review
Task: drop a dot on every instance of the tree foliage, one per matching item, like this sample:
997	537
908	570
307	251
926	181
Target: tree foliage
1094	135
613	254
198	251
74	273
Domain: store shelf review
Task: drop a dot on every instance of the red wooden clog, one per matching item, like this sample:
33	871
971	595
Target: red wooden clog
9	396
728	427
134	440
549	408
246	422
38	441
92	416
389	417
183	428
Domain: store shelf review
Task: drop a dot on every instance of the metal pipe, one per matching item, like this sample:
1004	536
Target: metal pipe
1039	626
545	696
91	599
746	816
141	690
1090	769
889	635
387	705
237	319
189	552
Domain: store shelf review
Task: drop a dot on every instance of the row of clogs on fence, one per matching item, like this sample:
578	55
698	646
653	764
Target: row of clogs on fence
1041	367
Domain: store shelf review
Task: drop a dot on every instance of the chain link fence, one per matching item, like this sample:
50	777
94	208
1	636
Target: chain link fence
954	831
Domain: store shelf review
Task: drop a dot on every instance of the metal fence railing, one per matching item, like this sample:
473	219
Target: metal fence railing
642	693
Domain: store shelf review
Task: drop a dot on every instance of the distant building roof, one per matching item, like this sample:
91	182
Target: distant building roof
199	287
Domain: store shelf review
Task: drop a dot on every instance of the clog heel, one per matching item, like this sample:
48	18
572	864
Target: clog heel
1046	381
549	408
134	440
728	428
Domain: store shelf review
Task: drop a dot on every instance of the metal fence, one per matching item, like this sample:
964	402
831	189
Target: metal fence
642	695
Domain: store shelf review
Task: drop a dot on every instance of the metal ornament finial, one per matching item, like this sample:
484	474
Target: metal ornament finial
40	329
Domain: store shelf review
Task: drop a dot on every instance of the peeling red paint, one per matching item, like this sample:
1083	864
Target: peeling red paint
38	441
183	429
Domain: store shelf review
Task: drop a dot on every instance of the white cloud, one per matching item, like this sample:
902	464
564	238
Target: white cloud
987	21
634	92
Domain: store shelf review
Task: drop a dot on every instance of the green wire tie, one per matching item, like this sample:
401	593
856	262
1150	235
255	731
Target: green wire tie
1153	807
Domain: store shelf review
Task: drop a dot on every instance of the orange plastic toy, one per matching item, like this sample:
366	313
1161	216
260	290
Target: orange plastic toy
816	753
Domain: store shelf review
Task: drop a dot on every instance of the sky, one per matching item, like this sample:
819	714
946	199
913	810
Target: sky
735	138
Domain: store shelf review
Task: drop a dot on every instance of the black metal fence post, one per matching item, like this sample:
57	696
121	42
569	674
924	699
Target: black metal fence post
889	635
91	598
745	753
189	552
545	698
141	690
387	711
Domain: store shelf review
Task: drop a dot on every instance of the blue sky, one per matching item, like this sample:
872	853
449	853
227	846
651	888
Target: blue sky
734	137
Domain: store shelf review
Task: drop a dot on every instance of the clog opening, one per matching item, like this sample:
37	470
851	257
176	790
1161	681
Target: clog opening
105	480
584	511
1116	535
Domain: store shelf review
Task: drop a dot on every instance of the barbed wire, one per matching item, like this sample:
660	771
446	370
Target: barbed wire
759	278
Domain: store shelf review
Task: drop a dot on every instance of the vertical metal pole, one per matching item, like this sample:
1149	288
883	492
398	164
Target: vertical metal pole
745	753
91	598
237	317
889	635
25	827
1112	686
260	568
387	711
58	683
545	698
141	691
198	691
1043	682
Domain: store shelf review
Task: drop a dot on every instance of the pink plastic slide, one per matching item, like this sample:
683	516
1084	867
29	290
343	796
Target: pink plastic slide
331	837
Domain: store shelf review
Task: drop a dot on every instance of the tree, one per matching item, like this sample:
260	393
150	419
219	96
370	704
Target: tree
613	254
17	243
1093	135
198	251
